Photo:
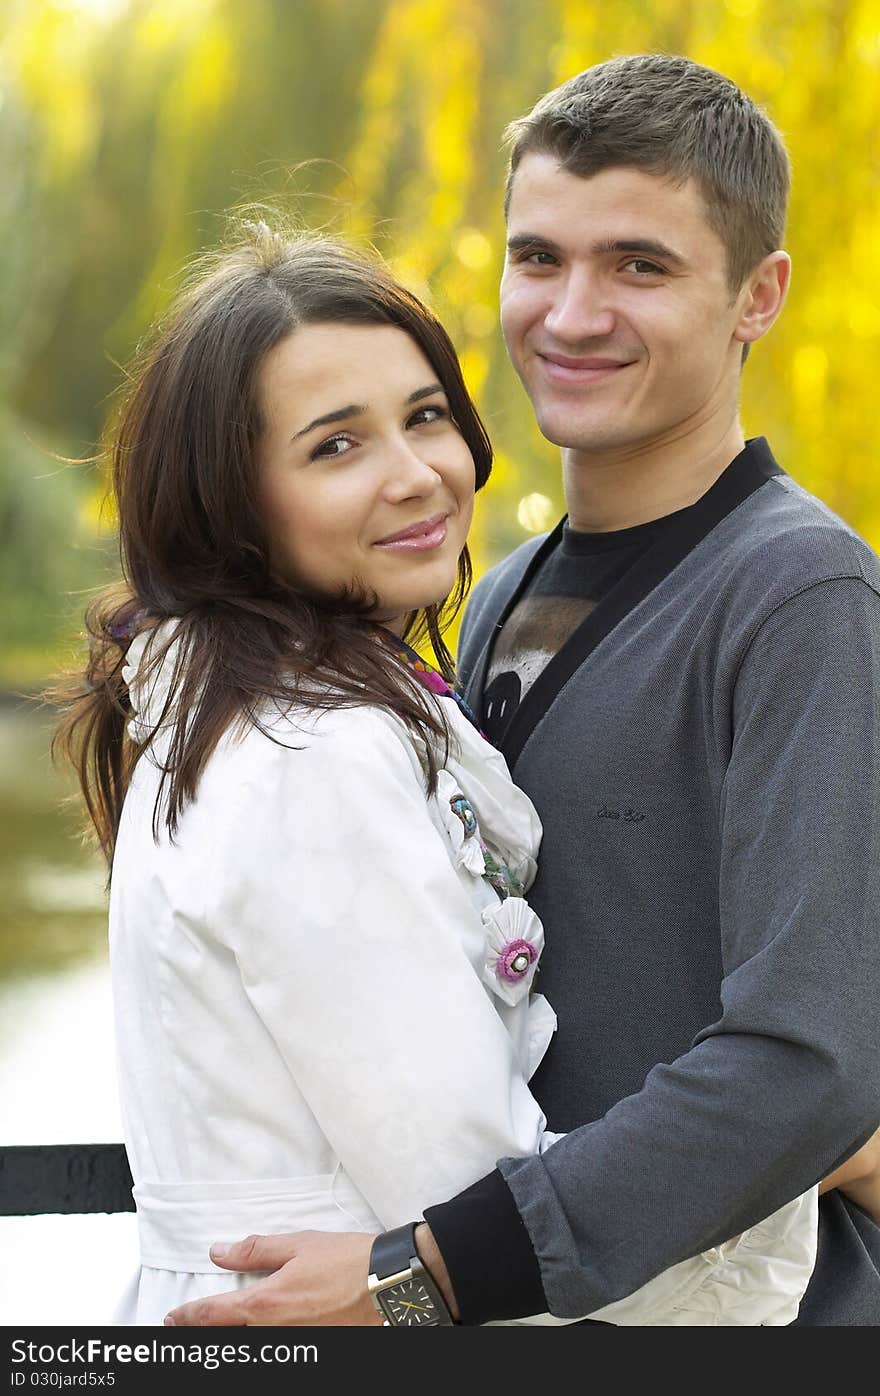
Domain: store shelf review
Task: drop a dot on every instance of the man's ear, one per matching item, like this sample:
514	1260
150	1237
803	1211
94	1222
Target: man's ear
762	297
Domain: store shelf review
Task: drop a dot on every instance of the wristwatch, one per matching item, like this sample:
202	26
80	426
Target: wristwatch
400	1286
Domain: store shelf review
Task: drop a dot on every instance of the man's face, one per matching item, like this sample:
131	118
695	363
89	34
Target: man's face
615	307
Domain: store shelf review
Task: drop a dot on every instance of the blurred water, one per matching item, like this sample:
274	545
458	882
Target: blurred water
52	899
58	1086
57	1078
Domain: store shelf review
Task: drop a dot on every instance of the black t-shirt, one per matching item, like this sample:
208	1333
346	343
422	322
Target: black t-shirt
579	572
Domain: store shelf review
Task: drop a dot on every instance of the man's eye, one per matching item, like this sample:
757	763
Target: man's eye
538	258
331	448
643	268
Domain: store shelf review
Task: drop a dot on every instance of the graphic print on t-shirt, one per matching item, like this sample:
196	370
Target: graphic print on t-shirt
535	631
575	577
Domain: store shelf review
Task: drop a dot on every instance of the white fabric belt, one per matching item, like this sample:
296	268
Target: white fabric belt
177	1222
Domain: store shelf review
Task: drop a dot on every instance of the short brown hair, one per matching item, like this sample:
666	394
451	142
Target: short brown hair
673	117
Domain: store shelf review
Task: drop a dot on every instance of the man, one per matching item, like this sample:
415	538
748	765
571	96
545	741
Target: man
683	676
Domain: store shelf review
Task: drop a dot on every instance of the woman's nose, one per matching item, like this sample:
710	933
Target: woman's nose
409	473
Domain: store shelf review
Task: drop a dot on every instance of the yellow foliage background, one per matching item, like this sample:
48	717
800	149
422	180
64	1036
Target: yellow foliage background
144	120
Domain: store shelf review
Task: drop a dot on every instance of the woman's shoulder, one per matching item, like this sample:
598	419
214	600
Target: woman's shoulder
335	729
322	722
334	745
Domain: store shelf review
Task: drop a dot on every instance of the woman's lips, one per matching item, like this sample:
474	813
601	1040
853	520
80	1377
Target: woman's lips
420	538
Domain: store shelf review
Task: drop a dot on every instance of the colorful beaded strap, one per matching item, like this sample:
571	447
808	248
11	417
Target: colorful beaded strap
429	678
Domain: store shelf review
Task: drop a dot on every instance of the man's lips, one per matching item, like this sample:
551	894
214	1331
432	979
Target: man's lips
428	533
564	368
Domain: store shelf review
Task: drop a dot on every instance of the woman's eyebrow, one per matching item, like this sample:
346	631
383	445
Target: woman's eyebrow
431	389
356	410
353	410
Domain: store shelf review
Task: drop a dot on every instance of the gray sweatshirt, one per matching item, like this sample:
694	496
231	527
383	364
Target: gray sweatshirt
704	755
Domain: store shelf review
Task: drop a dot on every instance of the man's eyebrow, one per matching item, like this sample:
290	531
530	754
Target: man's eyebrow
520	240
649	246
357	410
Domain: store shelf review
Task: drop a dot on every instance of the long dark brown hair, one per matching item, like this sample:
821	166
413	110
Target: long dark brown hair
194	546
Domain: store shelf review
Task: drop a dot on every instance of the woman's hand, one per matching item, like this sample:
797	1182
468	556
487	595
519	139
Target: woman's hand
859	1178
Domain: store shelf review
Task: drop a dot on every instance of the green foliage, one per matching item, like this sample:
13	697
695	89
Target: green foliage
51	553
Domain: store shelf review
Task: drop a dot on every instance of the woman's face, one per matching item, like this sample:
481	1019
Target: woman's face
364	478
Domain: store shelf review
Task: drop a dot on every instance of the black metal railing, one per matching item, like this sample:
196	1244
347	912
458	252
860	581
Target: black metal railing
36	1179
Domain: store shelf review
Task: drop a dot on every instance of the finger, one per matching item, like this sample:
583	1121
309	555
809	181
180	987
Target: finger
256	1252
261	1304
222	1310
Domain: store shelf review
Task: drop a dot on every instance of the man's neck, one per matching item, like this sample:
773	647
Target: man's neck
607	491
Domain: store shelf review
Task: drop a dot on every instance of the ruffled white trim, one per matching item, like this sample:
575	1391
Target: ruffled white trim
524	869
509	825
514	941
465	840
756	1279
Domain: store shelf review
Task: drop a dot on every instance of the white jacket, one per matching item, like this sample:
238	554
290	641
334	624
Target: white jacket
323	1007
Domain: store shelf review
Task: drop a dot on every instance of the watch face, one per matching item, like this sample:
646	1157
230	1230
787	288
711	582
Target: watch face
408	1304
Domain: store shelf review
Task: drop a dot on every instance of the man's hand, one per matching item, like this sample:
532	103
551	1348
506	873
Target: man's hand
320	1278
859	1178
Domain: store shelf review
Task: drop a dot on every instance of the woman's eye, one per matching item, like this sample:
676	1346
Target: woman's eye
331	448
426	415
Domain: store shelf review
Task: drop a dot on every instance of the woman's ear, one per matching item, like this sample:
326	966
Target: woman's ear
762	297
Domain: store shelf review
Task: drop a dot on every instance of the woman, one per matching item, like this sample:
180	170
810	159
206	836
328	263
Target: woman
321	954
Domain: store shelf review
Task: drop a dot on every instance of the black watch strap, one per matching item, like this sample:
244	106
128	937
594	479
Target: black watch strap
394	1251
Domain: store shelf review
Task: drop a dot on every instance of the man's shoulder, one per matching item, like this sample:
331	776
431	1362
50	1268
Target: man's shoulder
779	544
787	536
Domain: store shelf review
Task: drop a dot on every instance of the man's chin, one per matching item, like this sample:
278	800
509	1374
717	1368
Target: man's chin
578	436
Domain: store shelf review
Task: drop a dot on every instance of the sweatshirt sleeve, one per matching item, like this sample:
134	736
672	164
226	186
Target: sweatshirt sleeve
786	1084
360	949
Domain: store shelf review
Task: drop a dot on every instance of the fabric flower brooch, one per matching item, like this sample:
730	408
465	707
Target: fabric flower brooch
460	823
514	941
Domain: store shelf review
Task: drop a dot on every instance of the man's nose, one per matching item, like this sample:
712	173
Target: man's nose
580	310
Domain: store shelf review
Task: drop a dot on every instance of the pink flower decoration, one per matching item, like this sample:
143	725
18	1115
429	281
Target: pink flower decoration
514	941
514	950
